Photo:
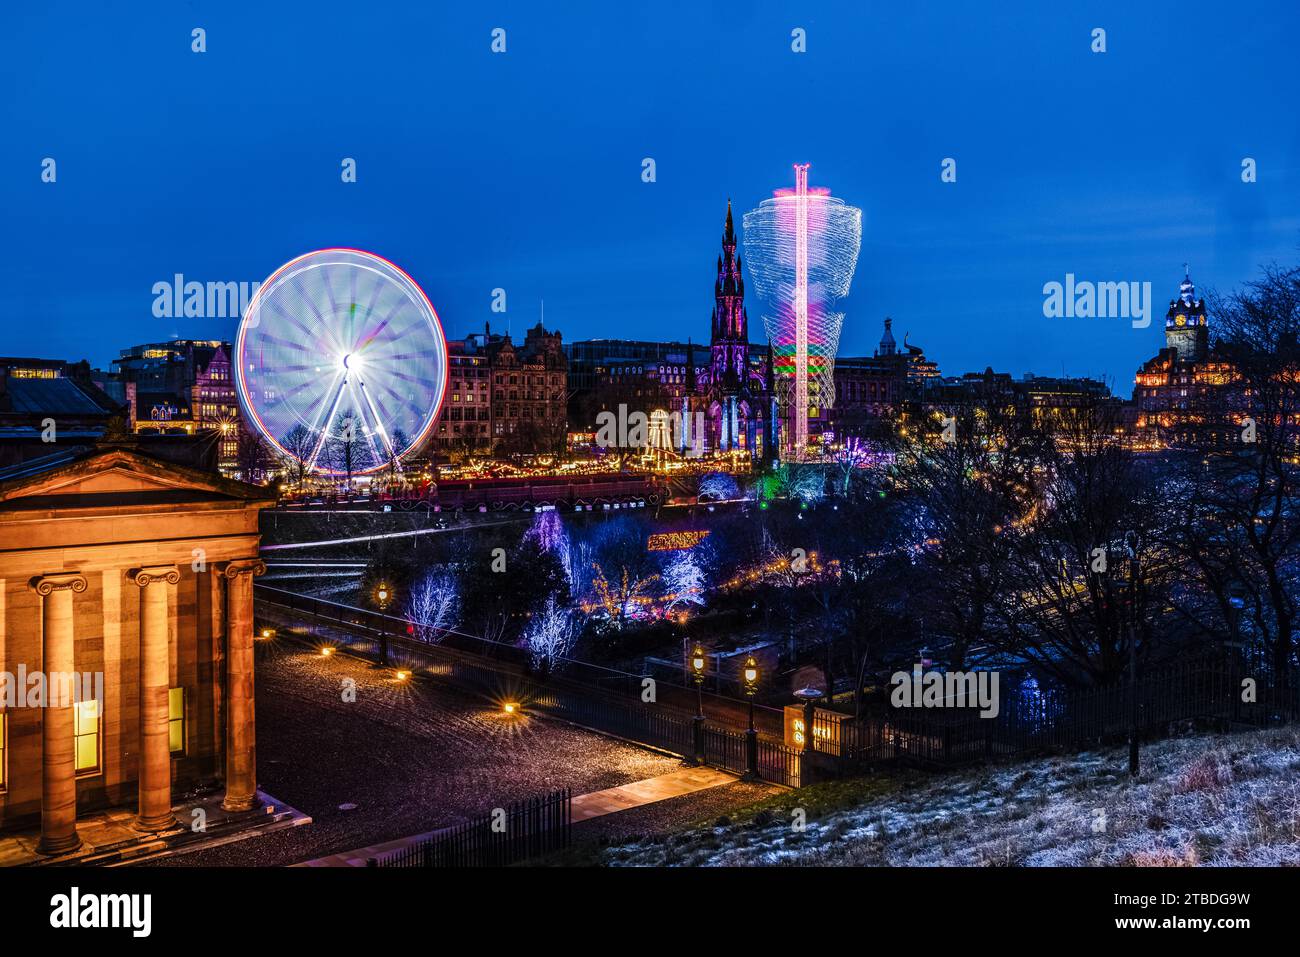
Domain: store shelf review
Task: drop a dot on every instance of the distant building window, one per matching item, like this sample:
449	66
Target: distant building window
176	719
86	728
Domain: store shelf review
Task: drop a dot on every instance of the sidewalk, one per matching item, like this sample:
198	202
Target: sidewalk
110	840
585	807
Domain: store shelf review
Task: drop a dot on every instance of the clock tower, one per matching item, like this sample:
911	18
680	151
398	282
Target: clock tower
1186	331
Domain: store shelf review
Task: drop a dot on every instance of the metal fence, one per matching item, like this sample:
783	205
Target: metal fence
509	835
1208	690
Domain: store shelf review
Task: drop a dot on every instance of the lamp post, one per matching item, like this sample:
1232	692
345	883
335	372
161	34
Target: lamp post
1131	546
750	675
698	663
383	597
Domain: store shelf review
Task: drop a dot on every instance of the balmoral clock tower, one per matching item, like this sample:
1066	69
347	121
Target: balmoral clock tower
1186	330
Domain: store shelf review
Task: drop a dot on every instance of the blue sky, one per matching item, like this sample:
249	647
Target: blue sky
522	170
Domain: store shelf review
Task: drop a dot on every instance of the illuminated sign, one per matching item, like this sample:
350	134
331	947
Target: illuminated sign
675	541
825	731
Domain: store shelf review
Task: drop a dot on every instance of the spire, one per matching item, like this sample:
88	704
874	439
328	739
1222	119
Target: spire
729	237
1187	291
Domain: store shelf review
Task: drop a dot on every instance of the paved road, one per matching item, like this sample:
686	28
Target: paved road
413	757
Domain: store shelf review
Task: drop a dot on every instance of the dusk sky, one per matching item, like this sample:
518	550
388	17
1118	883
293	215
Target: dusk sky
523	170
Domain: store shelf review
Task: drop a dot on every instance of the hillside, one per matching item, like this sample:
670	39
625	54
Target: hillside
1200	800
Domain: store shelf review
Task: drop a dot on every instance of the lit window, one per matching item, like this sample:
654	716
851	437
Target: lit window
86	731
176	719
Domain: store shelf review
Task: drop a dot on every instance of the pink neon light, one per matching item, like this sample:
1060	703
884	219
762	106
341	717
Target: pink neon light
801	309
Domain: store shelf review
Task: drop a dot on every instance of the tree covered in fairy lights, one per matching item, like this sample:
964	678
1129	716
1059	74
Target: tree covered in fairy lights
718	486
434	605
623	598
684	580
550	633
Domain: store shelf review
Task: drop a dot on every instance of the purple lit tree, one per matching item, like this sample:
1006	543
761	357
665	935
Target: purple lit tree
434	606
549	634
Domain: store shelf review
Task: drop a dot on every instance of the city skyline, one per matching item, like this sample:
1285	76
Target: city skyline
533	197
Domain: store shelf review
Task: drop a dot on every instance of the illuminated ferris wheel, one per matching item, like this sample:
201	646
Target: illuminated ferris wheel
341	362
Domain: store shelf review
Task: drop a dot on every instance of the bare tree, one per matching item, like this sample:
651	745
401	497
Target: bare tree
434	605
1245	498
251	456
970	468
550	634
1066	603
299	443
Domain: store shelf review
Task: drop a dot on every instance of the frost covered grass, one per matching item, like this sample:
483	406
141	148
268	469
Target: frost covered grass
1227	799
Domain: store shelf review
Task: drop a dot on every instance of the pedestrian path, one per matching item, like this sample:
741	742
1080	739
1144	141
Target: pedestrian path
585	807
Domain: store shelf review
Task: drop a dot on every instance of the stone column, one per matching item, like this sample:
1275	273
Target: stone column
155	676
241	739
58	743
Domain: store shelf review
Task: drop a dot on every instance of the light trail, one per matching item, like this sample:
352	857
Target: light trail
385	535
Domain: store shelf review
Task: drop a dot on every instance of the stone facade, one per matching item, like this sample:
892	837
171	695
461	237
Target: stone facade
118	564
505	398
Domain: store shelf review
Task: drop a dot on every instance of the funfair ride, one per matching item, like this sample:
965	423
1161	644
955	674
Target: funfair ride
341	363
802	248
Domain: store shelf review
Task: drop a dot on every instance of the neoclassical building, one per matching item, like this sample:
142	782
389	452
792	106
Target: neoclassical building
117	564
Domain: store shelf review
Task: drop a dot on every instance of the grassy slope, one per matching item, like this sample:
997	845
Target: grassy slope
1203	799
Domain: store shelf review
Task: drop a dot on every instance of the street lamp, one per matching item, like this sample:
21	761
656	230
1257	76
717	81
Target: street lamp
698	667
750	675
1134	572
383	597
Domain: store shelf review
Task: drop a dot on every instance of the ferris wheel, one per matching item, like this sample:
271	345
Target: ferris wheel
341	362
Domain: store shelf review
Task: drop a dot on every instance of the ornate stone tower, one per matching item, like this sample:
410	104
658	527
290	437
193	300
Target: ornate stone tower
1186	328
729	345
731	391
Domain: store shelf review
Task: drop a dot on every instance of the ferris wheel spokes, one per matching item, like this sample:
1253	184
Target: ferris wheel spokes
359	412
379	423
324	432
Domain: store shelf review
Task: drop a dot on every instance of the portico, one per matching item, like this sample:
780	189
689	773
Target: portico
114	562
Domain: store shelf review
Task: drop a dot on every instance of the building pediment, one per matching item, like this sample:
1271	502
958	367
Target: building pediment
115	477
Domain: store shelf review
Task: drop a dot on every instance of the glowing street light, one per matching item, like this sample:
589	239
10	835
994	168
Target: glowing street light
698	667
750	675
382	596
